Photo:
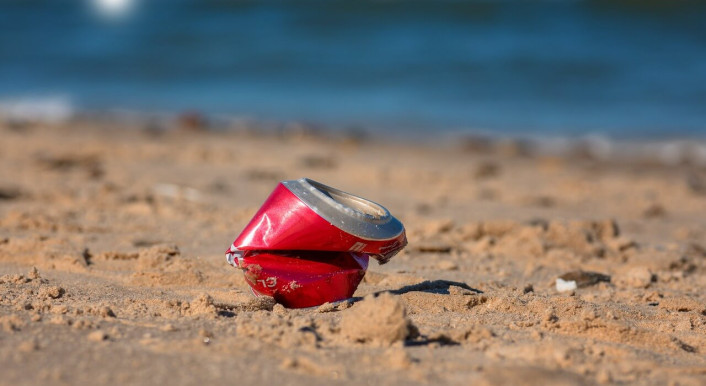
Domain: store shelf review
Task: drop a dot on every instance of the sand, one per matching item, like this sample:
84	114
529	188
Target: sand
112	268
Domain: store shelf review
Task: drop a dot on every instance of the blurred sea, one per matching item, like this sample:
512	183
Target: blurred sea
625	69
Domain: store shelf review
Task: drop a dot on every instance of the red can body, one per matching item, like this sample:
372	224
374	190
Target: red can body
305	278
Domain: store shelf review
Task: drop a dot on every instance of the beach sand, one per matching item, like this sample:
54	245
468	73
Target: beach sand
112	267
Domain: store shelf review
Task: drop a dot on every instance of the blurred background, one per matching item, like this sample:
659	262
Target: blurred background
622	69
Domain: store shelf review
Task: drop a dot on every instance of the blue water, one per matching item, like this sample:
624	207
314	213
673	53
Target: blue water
622	68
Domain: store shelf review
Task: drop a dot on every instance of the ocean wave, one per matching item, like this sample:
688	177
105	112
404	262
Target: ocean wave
52	109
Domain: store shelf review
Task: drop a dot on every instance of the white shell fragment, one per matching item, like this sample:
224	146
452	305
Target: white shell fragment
565	285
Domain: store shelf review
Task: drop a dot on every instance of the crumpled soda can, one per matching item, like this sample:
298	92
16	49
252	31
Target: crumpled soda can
310	243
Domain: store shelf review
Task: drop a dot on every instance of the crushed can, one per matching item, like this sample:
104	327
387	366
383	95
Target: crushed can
310	243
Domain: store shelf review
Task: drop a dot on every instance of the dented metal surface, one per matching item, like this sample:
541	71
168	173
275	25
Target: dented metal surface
310	243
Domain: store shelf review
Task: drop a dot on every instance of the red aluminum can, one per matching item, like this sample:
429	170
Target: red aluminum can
309	243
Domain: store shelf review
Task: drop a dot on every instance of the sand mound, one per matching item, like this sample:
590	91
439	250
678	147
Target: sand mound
378	320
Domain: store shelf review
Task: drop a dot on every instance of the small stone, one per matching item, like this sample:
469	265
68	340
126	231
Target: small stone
565	285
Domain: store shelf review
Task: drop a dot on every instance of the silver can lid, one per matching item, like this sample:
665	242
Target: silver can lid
352	214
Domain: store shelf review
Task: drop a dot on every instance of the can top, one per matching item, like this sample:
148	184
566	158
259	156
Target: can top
352	214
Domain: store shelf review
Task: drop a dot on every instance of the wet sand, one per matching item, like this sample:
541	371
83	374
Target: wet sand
112	268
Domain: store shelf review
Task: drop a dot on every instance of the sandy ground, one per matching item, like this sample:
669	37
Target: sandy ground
112	267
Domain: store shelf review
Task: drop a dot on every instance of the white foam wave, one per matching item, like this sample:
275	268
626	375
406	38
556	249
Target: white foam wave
52	109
